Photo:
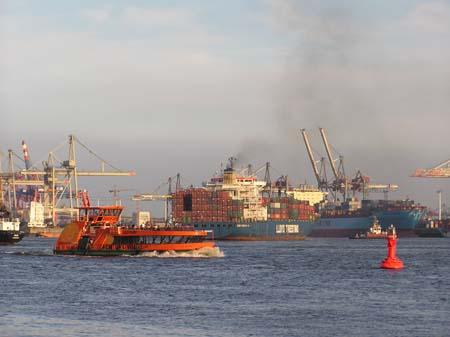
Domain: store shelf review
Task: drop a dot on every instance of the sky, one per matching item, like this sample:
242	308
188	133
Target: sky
162	87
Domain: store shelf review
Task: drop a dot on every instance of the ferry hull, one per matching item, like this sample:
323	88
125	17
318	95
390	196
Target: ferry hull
117	251
287	230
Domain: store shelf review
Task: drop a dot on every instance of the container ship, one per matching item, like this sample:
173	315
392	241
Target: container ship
347	220
344	219
234	206
405	215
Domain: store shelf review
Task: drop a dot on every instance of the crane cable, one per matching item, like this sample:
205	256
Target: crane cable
96	155
164	183
58	147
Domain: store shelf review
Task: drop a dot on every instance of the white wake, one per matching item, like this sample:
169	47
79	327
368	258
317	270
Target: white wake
207	252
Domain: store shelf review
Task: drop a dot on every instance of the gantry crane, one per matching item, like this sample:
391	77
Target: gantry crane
57	182
167	198
320	174
341	183
115	192
440	171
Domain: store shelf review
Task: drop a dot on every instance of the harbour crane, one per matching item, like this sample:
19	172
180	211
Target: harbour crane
320	174
59	182
440	171
154	196
341	183
115	192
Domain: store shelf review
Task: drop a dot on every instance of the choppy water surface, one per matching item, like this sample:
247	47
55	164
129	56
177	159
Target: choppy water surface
318	287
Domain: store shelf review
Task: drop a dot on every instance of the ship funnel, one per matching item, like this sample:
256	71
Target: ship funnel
229	174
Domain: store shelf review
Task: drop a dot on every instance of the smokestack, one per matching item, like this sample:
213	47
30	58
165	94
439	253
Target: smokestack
26	155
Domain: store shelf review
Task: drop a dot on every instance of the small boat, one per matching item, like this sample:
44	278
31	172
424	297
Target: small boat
374	232
9	228
98	233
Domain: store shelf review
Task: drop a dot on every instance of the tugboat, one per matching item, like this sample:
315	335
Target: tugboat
98	233
9	228
374	232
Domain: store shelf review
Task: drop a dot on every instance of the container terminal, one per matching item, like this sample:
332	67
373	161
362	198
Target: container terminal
233	205
44	199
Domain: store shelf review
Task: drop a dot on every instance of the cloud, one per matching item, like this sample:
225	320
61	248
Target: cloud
145	16
380	89
98	15
342	71
169	17
175	79
430	17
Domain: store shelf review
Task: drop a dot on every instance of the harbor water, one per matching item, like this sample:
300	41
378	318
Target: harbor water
316	287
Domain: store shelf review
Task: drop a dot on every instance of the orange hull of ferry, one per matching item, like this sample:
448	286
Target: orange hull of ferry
97	233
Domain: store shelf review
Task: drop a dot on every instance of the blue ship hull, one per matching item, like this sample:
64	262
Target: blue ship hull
341	226
405	221
258	230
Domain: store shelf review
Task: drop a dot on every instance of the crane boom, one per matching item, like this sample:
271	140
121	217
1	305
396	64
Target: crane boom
311	156
151	197
440	171
84	173
382	187
327	148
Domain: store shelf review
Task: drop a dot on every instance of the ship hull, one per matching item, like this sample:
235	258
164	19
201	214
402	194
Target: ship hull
405	221
138	249
10	237
287	230
341	226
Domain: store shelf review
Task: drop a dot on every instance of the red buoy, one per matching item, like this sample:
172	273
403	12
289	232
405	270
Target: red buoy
392	261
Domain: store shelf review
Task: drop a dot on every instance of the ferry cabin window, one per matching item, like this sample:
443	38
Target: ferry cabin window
187	203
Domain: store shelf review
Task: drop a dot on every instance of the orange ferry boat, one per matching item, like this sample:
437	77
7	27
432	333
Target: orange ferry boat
97	232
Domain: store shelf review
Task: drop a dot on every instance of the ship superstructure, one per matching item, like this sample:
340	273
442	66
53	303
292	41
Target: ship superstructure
9	227
238	206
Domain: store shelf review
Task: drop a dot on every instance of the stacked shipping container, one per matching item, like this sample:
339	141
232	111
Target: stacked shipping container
199	205
288	208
